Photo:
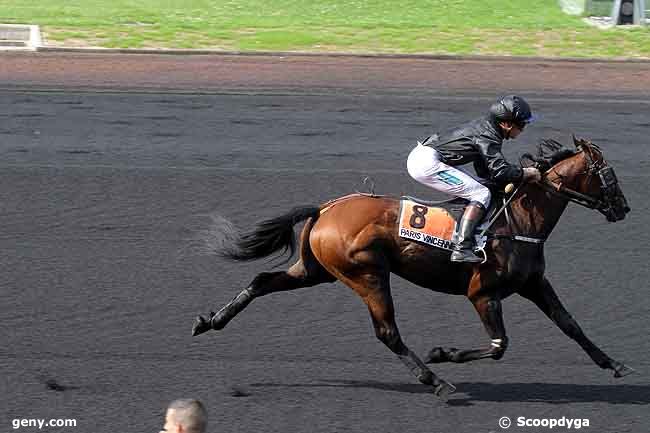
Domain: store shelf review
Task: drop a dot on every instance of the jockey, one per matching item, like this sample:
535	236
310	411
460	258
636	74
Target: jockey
434	163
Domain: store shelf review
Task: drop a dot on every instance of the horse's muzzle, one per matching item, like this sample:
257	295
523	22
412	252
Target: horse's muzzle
616	206
617	210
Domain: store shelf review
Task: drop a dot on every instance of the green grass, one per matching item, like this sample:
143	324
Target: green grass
515	27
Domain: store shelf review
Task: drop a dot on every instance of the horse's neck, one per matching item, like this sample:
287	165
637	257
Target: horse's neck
534	213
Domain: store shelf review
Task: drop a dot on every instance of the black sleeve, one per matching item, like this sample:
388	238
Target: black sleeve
481	169
500	170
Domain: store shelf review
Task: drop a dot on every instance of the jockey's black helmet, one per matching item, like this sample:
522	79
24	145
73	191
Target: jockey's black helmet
512	108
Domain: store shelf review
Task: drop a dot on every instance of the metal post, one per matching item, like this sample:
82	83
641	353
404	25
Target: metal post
640	18
628	12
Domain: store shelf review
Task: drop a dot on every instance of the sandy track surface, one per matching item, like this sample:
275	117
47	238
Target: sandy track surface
318	73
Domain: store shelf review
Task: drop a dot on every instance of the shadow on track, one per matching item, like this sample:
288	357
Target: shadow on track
410	388
553	393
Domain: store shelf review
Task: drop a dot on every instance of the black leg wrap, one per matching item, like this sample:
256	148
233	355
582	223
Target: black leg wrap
438	355
223	316
499	351
495	318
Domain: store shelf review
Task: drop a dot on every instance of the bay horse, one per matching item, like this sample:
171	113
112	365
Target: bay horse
355	239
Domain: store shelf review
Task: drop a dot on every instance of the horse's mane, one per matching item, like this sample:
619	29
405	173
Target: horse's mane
549	153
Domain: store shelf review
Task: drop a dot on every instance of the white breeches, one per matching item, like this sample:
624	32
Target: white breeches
425	166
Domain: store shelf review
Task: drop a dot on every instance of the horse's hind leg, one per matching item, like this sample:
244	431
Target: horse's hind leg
306	272
263	284
374	289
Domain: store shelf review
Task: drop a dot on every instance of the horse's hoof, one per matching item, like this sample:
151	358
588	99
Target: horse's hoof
201	325
438	355
622	370
444	389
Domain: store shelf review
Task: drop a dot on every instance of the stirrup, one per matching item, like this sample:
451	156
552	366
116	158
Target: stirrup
465	256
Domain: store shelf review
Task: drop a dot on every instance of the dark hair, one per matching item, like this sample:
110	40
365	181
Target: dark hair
549	153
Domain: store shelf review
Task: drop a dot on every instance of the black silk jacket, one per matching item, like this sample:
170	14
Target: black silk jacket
479	142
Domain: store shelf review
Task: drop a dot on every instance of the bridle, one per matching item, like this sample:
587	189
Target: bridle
610	197
610	201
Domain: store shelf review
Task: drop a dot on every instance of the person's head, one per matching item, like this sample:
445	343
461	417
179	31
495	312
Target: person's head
511	113
185	416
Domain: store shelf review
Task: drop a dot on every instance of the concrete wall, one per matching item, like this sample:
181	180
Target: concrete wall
573	7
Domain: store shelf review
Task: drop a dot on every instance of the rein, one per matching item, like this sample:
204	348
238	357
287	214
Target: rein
571	195
512	237
504	208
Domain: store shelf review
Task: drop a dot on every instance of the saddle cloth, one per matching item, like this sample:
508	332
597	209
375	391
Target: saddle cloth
433	225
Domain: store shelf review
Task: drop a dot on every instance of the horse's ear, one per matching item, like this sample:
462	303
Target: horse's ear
579	142
576	142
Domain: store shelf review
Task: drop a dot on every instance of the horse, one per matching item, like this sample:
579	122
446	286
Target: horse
354	239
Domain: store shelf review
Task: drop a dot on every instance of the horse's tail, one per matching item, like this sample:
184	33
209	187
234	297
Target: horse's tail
269	236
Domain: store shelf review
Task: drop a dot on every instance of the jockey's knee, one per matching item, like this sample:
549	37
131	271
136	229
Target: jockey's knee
420	176
483	196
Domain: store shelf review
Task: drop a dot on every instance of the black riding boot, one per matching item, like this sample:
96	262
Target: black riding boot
464	249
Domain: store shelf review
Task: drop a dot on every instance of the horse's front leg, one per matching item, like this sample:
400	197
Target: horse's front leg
489	310
540	292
